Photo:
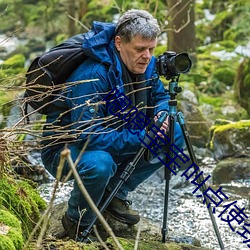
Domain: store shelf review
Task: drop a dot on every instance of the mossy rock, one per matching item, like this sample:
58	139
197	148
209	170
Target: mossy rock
219	107
22	200
230	139
128	244
10	231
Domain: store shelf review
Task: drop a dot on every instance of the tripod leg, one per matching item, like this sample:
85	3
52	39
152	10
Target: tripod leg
201	178
167	174
164	229
124	176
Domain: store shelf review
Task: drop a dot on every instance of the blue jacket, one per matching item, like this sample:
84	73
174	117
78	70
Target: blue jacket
88	116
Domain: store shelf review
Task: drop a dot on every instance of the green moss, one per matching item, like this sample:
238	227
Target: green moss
225	75
13	239
21	199
6	243
16	237
128	244
9	219
235	125
16	61
212	100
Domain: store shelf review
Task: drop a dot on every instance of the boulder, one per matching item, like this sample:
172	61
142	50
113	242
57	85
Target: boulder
231	169
197	125
230	139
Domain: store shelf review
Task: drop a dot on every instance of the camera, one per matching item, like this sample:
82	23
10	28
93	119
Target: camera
171	65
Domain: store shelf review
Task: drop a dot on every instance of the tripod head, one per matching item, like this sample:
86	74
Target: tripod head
174	89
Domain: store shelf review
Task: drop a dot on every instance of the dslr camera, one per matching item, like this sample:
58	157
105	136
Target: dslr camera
171	65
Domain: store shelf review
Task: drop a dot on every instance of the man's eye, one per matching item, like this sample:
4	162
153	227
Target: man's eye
139	50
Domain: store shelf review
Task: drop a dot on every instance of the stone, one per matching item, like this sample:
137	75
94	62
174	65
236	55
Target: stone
230	139
231	169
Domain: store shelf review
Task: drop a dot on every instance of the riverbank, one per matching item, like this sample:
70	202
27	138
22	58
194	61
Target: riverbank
188	217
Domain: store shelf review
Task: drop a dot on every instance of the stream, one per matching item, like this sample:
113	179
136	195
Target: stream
188	217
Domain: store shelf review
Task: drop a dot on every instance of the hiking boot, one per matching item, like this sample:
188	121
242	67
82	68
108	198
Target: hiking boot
74	231
121	211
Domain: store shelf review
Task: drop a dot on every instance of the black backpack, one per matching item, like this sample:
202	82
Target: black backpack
47	74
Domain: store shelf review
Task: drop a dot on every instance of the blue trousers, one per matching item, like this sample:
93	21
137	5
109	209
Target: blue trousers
99	170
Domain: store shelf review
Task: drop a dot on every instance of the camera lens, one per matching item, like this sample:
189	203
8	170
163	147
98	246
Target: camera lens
182	63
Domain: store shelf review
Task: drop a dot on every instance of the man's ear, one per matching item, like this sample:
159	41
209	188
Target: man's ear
118	42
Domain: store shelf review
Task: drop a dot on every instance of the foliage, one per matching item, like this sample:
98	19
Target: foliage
228	23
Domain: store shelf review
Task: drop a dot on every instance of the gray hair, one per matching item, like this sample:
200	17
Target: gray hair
137	22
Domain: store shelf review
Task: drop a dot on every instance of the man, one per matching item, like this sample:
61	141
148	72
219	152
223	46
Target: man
120	58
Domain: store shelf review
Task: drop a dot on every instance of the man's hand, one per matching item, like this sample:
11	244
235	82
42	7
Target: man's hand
164	126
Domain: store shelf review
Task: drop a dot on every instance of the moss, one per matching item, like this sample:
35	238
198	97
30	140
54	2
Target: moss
242	84
128	244
13	239
16	237
235	125
9	219
225	75
6	243
214	101
21	199
16	61
221	132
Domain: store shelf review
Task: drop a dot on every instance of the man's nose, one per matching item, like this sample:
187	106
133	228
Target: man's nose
146	54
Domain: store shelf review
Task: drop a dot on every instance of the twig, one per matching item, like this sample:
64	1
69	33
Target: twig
77	21
66	154
45	217
99	238
137	236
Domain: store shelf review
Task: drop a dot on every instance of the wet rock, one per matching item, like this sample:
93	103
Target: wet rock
231	169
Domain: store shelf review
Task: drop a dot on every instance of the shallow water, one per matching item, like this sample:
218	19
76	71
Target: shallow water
187	215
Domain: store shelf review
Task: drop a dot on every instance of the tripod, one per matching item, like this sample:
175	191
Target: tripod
173	90
128	170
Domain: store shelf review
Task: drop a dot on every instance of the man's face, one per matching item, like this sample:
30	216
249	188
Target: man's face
137	53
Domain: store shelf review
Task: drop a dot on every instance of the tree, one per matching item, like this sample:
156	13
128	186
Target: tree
181	27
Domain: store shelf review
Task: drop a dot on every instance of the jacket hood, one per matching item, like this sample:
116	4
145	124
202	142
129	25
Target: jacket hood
98	43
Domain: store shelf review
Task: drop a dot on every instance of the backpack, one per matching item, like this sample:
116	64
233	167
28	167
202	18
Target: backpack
47	74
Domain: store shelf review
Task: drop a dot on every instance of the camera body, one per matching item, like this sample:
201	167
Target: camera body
171	65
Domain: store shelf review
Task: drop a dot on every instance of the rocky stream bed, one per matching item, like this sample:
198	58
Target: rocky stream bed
188	217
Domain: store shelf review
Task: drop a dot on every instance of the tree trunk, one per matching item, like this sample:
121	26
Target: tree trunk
83	7
181	27
71	6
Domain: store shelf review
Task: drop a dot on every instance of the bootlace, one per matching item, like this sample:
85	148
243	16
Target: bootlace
127	203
